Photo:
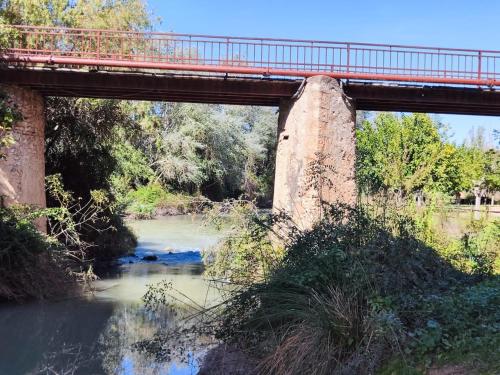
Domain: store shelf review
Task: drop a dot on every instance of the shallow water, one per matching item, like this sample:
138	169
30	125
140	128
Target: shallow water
95	334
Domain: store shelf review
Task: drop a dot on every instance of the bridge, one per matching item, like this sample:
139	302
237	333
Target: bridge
318	86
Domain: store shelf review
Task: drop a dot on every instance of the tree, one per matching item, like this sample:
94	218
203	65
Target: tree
260	132
81	133
492	173
396	155
99	14
35	12
457	170
217	150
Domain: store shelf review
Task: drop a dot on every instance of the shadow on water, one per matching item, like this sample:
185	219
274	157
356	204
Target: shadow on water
37	338
96	334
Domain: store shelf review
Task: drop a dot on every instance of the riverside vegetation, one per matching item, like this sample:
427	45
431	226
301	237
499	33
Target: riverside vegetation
366	291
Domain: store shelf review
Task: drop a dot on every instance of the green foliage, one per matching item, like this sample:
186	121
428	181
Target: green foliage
246	253
89	229
457	318
35	12
99	14
80	134
398	157
81	137
132	164
463	331
452	173
201	149
397	154
7	33
150	200
115	14
216	150
146	199
492	171
478	251
131	170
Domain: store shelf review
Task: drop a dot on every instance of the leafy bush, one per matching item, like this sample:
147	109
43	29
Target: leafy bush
92	228
456	318
478	251
245	254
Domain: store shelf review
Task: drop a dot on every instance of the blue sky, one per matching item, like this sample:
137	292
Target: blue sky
442	23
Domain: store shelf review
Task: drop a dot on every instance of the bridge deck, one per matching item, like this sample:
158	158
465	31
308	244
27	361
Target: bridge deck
247	91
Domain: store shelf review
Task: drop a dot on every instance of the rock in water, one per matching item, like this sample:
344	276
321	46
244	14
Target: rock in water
149	257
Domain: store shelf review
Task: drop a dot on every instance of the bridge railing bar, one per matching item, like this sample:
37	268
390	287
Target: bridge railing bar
254	56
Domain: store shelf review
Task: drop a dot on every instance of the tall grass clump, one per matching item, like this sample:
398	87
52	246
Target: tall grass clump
356	290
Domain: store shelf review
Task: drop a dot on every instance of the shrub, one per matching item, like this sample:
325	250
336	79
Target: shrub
478	251
93	229
246	253
145	200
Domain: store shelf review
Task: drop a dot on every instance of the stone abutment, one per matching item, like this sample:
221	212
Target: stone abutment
22	172
315	160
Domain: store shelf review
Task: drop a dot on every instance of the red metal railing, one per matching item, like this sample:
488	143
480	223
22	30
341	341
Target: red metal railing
252	56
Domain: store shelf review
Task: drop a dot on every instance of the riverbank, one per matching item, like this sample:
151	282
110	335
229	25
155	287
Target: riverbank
153	201
361	295
32	265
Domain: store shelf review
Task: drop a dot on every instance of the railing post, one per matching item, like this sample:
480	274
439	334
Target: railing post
348	63
479	63
190	47
98	45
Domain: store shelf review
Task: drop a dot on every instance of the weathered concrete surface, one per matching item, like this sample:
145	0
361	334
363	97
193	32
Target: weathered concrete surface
22	173
316	151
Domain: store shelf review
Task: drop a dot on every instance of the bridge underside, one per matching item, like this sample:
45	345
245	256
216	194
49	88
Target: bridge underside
247	91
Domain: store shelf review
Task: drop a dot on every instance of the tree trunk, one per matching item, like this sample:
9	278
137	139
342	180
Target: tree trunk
420	198
477	207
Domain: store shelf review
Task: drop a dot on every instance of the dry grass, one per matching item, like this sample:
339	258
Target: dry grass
334	337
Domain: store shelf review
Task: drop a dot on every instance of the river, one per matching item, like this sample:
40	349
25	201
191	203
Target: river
96	334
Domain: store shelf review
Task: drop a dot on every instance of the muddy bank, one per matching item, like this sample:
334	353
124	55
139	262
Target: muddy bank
227	359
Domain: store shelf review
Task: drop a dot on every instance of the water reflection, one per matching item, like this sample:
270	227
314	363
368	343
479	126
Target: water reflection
57	337
96	335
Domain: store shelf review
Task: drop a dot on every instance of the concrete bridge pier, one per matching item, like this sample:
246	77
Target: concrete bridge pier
316	151
22	173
